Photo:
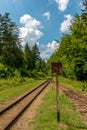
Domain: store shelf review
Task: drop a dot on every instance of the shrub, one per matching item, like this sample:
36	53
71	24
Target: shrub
3	71
41	74
17	73
24	72
34	73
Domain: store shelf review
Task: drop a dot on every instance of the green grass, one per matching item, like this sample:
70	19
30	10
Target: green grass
11	88
74	85
46	118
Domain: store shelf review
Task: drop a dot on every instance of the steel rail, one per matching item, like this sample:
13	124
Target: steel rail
21	98
14	119
76	96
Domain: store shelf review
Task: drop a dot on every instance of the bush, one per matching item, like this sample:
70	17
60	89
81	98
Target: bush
3	71
17	73
84	86
41	74
24	72
34	73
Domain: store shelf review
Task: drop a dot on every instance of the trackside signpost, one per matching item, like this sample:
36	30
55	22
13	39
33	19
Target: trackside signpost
57	68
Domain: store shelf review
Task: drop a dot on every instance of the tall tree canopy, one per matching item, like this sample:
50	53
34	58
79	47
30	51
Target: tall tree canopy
28	57
35	55
10	49
12	56
72	51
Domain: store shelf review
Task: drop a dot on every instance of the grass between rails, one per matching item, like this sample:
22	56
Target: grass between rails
11	88
46	118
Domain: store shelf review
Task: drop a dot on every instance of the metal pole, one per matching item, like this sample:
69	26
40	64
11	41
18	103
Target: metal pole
57	98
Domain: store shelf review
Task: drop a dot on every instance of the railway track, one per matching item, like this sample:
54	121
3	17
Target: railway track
79	100
10	114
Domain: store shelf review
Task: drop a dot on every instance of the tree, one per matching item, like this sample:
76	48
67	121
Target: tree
9	42
35	55
72	51
44	67
28	57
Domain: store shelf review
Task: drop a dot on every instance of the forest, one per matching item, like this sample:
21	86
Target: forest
16	60
72	51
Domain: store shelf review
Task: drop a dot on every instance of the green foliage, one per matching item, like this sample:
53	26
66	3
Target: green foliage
35	55
10	48
37	74
84	86
79	86
72	52
28	57
6	71
41	74
17	73
15	60
24	72
3	70
11	88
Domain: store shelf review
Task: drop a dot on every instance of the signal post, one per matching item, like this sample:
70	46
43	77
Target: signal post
57	68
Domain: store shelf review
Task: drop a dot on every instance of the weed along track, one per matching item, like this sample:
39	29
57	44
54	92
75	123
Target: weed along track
79	100
10	114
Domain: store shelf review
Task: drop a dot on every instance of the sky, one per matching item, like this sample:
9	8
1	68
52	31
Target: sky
42	21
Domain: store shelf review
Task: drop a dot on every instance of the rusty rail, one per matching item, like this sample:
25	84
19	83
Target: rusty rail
21	98
78	98
34	92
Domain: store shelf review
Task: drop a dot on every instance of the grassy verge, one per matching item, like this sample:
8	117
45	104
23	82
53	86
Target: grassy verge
73	84
11	88
46	118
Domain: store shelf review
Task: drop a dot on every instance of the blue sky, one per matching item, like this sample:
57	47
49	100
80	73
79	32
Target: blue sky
42	21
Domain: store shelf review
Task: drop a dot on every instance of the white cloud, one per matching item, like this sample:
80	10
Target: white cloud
66	23
52	46
44	55
47	50
30	31
62	4
47	15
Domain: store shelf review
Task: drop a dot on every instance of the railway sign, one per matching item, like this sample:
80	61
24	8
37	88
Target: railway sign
56	67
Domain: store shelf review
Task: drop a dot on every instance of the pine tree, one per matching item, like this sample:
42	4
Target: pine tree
9	42
35	55
27	57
